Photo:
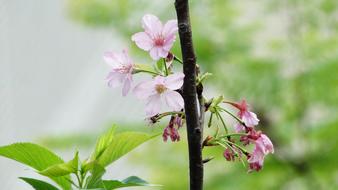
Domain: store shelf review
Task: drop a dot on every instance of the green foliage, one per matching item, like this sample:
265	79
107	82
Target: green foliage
95	179
36	157
121	145
38	184
103	142
109	148
62	169
128	182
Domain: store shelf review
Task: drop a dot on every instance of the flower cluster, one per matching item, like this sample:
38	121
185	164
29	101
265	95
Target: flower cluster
163	89
158	40
245	129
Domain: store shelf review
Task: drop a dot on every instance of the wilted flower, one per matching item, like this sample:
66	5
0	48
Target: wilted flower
172	132
172	129
156	38
161	89
229	154
122	68
169	59
178	121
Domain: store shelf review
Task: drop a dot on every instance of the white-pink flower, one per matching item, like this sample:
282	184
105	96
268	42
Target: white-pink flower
122	68
156	38
161	89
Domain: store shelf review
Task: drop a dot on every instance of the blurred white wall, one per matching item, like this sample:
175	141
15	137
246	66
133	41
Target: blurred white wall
52	79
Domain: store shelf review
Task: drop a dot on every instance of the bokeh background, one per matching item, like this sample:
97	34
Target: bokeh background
281	55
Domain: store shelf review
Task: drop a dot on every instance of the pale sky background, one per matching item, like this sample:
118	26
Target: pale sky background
52	81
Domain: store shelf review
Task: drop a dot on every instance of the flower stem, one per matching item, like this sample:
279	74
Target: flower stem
232	115
178	59
223	123
165	67
146	71
232	134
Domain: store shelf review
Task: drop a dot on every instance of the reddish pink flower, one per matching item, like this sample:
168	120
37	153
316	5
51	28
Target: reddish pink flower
249	118
122	68
263	146
229	154
171	132
161	89
156	38
256	160
172	129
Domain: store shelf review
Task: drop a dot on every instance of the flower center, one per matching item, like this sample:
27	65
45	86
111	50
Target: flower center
160	88
159	41
124	69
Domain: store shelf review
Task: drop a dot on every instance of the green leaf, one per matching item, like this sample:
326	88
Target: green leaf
95	179
160	65
36	157
103	142
38	184
121	145
128	182
62	169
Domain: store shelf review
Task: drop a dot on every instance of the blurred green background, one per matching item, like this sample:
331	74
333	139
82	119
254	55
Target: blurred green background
282	56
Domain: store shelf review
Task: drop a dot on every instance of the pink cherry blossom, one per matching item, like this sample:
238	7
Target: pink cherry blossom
263	146
256	160
249	118
161	89
122	68
156	38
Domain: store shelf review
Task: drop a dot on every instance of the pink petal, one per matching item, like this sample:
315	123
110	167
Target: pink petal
126	86
113	59
159	79
152	25
267	144
153	105
239	128
169	42
174	81
170	28
126	58
249	118
144	89
115	79
143	40
154	53
174	100
158	52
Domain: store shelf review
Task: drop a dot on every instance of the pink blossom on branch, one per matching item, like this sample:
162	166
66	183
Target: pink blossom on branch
122	69
249	118
263	146
161	89
156	38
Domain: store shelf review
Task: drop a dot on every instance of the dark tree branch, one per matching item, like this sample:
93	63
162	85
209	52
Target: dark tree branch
194	129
